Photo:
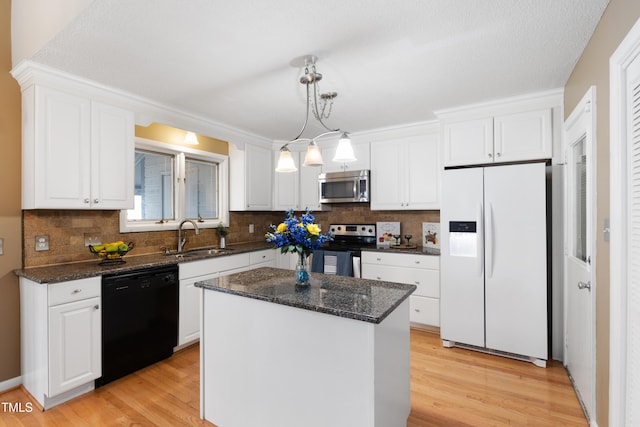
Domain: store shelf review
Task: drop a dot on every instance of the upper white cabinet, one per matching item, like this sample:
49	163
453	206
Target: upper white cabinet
250	171
76	153
360	150
405	173
506	138
297	190
508	130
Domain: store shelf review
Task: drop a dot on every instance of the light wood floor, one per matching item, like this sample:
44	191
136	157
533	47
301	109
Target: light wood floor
449	387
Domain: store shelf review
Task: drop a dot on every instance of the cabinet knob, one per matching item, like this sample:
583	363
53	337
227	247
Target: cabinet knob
86	200
490	154
498	154
378	259
417	310
96	307
379	278
96	201
417	282
76	291
417	262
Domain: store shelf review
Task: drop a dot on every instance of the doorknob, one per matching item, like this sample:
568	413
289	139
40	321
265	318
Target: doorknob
582	285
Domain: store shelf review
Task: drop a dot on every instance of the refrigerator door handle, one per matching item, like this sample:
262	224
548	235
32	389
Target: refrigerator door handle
480	242
490	239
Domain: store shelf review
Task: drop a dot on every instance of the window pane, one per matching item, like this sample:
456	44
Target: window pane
153	187
201	189
580	200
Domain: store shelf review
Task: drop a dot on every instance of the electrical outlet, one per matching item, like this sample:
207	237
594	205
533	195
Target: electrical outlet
42	243
92	239
1	245
251	228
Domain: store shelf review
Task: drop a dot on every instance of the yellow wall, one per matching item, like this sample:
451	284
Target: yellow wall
171	135
593	69
10	213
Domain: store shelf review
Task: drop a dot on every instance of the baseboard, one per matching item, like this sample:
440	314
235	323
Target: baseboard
9	384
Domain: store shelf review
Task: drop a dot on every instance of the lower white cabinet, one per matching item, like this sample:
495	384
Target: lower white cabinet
61	338
205	269
413	269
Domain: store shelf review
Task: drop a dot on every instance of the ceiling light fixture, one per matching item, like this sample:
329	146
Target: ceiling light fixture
321	110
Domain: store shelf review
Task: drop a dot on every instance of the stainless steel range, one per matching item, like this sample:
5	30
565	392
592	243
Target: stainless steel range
352	238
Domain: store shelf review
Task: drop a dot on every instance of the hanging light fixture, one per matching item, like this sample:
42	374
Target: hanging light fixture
321	110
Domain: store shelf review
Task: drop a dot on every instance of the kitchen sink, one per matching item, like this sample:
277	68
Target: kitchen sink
200	252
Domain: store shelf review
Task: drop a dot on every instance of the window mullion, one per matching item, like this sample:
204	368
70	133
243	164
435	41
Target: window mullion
180	186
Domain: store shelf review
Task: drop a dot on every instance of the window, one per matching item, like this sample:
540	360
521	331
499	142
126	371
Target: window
173	183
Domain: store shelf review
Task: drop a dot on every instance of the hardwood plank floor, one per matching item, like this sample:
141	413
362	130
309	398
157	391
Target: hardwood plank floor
449	387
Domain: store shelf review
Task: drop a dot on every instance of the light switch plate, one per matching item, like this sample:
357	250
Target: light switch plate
1	245
92	239
42	243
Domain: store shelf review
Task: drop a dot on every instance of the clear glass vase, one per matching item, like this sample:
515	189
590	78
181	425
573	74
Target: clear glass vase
302	270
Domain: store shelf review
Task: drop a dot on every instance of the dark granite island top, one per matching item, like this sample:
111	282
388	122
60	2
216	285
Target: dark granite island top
359	299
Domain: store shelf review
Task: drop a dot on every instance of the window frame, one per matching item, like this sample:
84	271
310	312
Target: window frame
181	153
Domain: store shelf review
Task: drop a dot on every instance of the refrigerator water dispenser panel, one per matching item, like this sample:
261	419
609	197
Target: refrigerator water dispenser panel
463	239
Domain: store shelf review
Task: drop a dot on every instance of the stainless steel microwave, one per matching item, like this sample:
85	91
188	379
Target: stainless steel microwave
344	187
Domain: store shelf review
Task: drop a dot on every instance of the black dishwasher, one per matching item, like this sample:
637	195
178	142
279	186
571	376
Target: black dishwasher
139	320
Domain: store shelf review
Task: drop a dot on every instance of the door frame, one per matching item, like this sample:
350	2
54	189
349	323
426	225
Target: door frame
584	114
624	55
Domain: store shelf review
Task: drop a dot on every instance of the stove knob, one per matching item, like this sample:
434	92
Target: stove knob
339	228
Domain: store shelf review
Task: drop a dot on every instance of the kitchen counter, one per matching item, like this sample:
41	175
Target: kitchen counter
358	299
80	270
419	250
334	353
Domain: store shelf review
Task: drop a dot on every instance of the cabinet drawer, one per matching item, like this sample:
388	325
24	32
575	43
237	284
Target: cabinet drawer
74	290
424	310
427	281
401	260
263	256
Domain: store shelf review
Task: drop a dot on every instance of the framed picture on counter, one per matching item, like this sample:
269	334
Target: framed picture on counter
431	235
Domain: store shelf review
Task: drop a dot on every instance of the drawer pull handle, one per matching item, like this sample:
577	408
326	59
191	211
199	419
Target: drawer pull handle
379	278
417	262
417	310
378	259
76	291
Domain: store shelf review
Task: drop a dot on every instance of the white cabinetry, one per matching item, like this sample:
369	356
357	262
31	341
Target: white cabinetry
297	190
250	169
420	270
405	173
61	338
505	138
76	153
205	269
360	150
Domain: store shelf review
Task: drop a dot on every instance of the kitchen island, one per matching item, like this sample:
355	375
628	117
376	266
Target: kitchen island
335	353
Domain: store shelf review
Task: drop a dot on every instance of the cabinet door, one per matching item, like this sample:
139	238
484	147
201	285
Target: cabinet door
423	173
189	309
112	154
309	188
259	171
75	342
468	143
286	188
62	151
387	183
523	136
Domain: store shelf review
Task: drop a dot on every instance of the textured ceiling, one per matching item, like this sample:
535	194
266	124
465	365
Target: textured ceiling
391	63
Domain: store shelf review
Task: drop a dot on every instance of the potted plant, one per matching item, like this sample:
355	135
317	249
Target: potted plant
222	233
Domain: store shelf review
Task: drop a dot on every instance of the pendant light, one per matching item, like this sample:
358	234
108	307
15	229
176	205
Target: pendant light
322	109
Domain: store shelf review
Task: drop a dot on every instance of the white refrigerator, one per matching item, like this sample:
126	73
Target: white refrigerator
494	260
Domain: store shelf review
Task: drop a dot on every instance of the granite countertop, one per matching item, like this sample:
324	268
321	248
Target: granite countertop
80	270
419	250
360	299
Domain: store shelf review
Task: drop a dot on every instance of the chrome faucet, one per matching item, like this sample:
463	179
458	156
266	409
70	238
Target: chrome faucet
183	241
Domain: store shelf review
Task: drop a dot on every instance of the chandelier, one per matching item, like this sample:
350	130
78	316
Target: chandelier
320	105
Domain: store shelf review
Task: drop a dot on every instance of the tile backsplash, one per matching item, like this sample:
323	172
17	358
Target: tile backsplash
66	230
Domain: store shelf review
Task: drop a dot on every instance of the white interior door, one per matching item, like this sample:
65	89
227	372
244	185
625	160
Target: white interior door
580	275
